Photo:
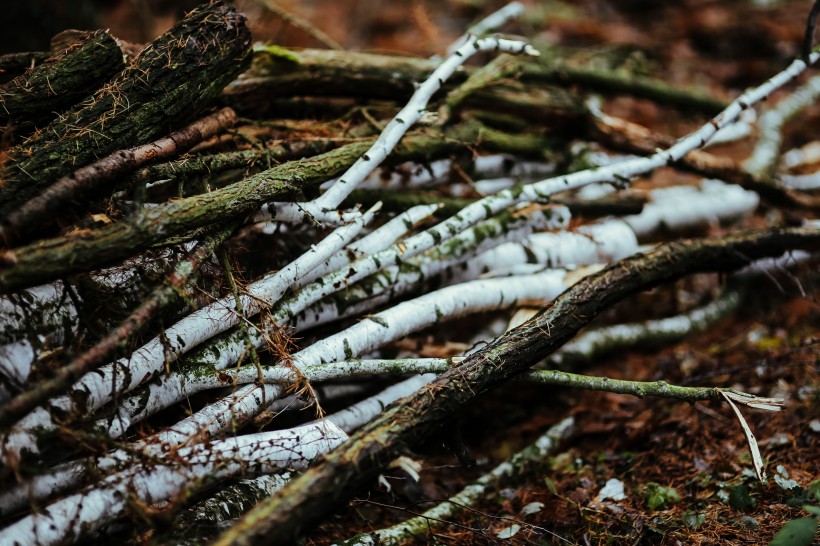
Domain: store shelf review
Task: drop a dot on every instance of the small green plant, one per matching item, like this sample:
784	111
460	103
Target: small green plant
801	531
657	495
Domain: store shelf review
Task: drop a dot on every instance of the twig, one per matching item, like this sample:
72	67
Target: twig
72	187
280	519
301	23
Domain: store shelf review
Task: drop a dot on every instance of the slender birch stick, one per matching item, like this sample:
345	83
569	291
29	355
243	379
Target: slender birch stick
679	208
231	502
508	471
377	240
95	389
398	126
363	412
69	519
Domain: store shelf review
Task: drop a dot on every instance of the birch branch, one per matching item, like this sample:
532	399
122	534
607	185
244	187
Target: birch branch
590	345
394	131
69	519
62	379
95	389
510	471
280	519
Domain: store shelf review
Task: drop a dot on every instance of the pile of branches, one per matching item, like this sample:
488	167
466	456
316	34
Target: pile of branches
200	235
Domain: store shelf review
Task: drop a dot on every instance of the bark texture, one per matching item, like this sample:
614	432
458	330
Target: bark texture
167	85
280	519
62	80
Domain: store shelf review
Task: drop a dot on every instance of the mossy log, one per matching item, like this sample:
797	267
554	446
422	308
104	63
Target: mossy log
90	249
168	85
281	518
62	80
280	72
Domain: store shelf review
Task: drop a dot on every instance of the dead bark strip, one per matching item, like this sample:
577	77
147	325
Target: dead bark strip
62	80
170	82
281	519
70	189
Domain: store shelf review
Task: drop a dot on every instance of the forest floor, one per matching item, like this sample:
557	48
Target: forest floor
685	468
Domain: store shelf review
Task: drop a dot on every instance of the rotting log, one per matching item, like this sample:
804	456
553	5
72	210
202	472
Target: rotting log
281	519
63	79
170	82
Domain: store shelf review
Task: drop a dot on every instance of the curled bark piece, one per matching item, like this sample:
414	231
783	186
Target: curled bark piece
280	519
63	79
170	82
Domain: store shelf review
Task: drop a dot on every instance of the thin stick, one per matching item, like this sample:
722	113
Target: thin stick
73	186
302	24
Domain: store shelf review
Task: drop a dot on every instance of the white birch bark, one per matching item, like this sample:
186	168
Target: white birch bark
679	208
97	388
67	520
767	151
